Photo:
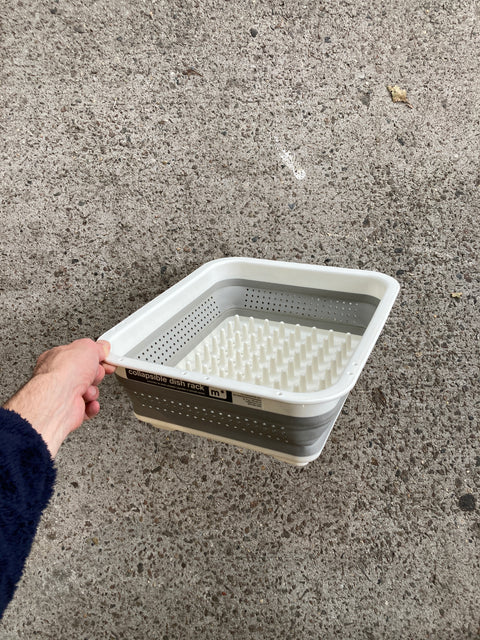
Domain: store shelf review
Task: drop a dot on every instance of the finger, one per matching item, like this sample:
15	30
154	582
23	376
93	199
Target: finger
91	394
103	349
100	375
91	409
109	368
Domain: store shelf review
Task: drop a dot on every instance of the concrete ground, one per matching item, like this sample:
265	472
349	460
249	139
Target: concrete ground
140	139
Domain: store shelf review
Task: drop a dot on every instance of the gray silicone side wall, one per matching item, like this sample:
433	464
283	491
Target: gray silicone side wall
300	437
346	312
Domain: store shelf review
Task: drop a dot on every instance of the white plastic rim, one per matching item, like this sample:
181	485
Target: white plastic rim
142	323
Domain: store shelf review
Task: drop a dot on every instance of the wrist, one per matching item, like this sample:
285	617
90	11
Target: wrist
33	402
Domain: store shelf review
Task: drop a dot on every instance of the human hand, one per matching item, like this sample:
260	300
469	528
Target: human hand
63	391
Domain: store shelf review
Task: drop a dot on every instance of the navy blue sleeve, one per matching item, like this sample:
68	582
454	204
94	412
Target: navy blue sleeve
27	476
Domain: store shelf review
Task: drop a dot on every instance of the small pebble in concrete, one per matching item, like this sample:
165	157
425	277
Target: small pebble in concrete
467	502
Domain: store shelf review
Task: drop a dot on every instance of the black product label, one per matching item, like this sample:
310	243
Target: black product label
179	385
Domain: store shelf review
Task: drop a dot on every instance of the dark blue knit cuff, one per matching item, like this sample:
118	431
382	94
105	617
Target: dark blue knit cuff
27	478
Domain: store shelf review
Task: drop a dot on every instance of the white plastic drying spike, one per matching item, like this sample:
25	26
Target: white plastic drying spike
280	355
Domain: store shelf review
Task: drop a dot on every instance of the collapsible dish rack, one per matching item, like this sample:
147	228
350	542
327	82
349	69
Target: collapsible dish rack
257	353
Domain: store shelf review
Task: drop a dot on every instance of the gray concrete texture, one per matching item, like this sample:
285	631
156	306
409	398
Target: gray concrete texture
141	139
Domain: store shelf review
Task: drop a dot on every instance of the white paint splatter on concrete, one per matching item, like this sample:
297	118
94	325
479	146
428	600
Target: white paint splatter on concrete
288	159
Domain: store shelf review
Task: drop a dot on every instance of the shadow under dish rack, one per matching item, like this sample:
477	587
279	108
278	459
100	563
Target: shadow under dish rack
257	353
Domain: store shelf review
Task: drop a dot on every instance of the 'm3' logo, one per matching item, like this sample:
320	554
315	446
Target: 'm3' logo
221	394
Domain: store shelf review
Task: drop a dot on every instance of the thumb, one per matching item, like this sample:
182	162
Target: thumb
104	349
